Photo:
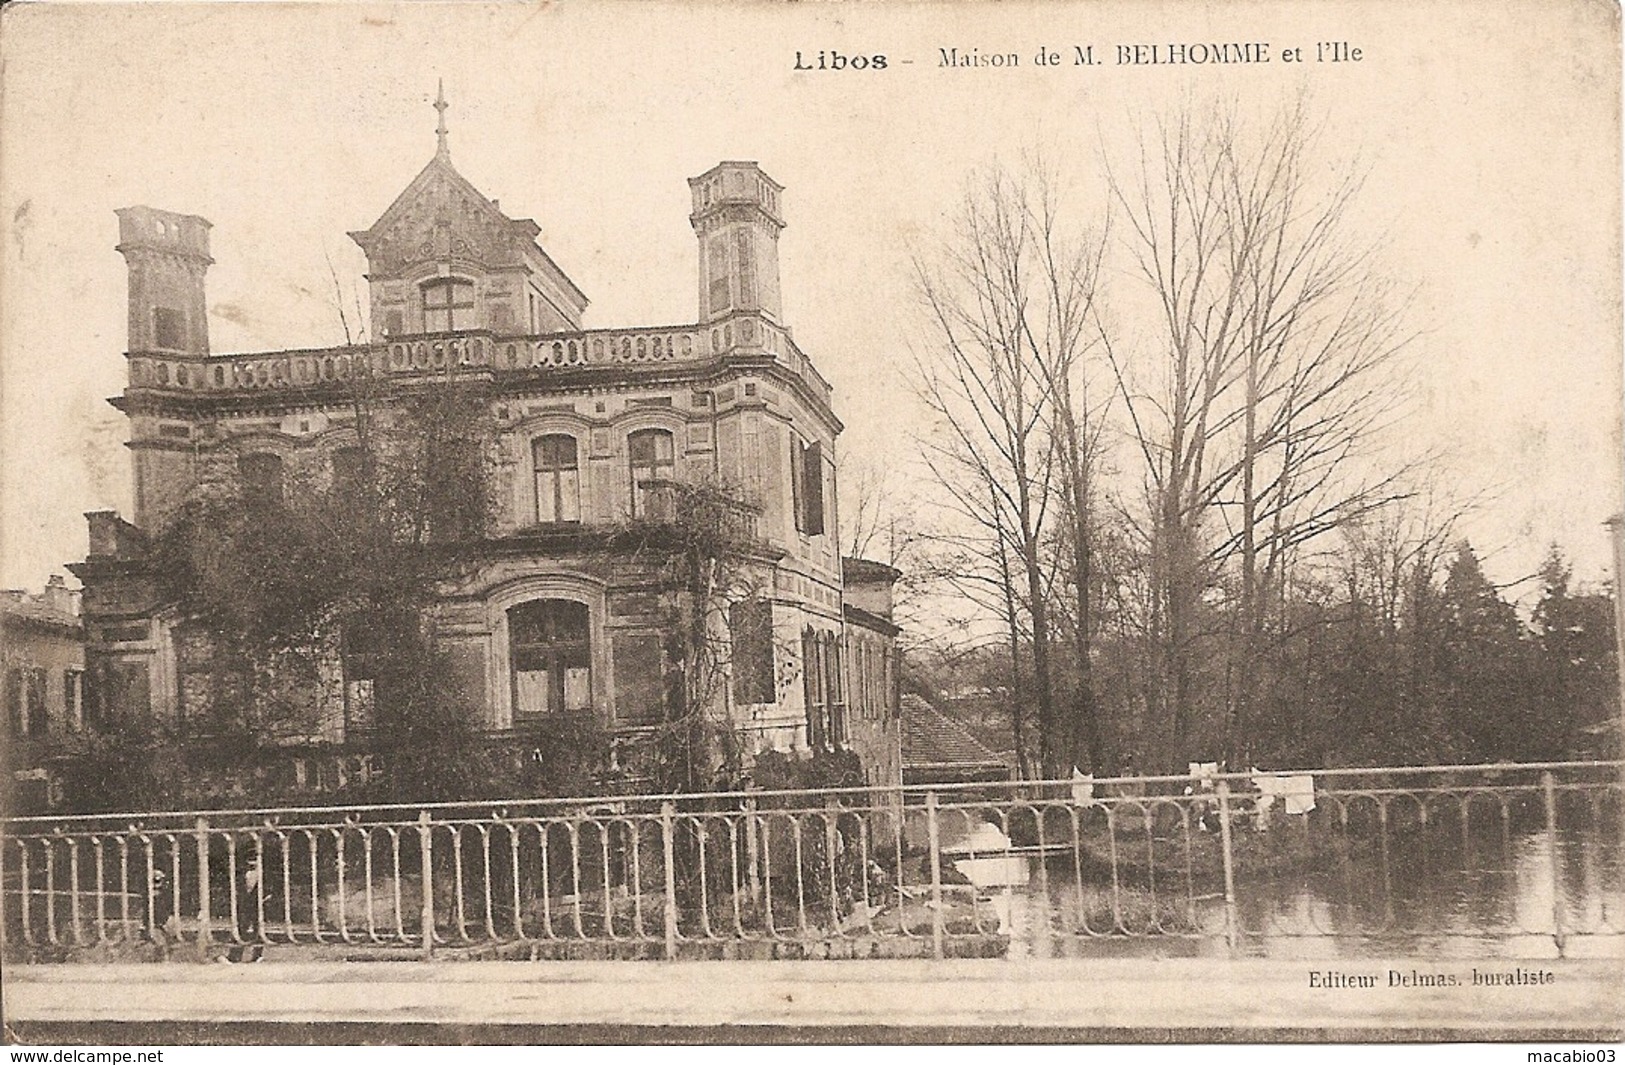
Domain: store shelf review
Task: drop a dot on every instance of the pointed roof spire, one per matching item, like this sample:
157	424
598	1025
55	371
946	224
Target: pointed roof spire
440	105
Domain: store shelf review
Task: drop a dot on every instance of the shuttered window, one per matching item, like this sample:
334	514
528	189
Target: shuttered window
750	622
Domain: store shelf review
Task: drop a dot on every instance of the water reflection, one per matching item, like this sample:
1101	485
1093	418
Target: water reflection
1480	885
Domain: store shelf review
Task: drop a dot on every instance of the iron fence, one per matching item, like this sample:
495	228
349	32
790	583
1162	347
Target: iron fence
1391	855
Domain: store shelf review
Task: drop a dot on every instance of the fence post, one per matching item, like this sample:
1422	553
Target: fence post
1550	789
426	875
205	930
22	896
832	845
936	873
1230	919
668	825
753	855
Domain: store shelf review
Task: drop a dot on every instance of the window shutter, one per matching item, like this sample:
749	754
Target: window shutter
811	678
798	491
813	488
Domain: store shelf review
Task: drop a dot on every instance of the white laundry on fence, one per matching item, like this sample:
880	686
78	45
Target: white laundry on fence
1300	794
1083	787
1297	793
1203	773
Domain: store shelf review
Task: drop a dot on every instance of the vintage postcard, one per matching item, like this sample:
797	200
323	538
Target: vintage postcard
718	522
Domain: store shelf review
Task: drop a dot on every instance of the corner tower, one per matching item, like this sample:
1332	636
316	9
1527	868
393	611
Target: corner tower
737	221
167	255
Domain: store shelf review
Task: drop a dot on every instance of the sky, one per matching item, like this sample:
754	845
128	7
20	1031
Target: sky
1489	136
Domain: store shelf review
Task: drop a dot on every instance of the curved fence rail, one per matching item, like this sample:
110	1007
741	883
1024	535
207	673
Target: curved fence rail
1393	855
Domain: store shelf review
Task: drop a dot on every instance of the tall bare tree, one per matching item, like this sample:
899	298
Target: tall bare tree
1008	303
1258	404
1062	339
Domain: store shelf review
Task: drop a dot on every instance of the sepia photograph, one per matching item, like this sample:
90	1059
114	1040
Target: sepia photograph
749	522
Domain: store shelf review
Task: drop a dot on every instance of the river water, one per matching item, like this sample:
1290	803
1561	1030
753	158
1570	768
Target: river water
1485	891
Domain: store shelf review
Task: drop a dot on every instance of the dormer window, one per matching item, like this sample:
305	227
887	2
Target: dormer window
448	304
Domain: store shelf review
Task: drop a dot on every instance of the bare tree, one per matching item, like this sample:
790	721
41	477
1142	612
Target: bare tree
1258	406
1061	337
1008	303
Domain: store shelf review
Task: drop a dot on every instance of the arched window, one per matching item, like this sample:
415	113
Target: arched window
652	460
558	478
261	475
549	645
448	304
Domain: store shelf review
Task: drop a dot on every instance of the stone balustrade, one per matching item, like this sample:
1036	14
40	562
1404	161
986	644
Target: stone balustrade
473	350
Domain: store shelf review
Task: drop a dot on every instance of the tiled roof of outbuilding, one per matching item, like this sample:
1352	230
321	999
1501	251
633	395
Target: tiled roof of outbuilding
932	738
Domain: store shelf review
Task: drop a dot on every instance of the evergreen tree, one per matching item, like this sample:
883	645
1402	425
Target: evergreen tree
1485	679
1577	696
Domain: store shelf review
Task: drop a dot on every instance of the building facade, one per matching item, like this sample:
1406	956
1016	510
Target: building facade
590	433
42	668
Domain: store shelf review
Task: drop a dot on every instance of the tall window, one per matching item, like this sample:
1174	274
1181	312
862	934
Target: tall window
73	707
261	475
750	622
835	690
117	689
194	674
558	478
16	707
25	701
747	270
640	679
652	460
372	640
549	645
717	260
822	689
812	690
448	304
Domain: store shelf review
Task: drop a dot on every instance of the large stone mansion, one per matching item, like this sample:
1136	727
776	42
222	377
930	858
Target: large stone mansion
591	429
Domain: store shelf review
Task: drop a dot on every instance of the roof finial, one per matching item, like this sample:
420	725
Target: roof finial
440	105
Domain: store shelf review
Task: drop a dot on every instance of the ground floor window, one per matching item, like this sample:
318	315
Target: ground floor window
750	624
823	689
550	647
